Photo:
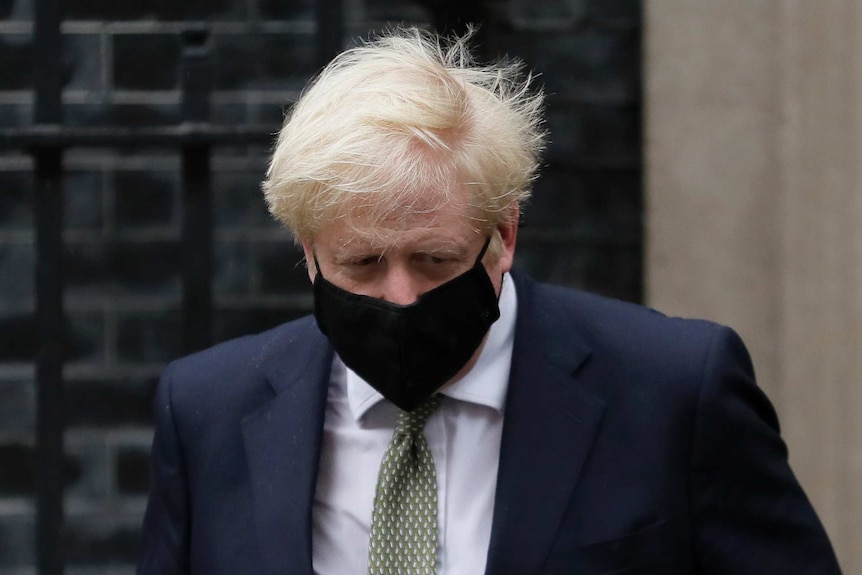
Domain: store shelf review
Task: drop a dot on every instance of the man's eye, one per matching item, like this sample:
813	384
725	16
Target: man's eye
366	261
432	259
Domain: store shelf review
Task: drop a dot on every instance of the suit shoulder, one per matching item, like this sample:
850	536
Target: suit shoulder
242	349
629	332
597	313
636	356
237	364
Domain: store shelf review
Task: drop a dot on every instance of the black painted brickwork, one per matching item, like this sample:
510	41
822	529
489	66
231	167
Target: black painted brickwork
123	214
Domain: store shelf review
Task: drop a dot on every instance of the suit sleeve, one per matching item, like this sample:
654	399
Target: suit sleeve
165	534
751	514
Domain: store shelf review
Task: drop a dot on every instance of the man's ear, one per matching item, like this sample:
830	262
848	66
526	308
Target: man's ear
508	231
309	261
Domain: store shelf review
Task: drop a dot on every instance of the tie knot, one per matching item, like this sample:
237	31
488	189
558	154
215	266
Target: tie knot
413	422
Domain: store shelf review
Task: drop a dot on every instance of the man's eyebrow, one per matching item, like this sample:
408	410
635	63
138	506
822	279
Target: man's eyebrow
448	249
346	257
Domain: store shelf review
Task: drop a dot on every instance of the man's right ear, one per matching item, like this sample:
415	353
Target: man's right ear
309	261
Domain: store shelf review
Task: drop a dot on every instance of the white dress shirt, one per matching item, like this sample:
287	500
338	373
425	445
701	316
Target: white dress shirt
463	435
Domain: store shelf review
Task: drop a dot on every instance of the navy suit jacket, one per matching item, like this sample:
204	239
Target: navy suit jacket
632	444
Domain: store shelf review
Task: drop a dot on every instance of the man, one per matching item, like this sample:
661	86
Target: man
439	414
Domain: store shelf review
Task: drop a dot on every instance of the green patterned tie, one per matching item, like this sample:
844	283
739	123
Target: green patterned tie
404	521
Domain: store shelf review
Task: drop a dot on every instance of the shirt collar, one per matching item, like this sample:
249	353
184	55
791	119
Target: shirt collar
485	384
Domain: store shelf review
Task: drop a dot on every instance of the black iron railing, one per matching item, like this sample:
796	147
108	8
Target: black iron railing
46	140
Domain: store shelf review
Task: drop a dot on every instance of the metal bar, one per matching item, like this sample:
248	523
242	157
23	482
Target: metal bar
197	209
162	136
329	17
197	249
641	145
48	165
197	72
47	62
49	361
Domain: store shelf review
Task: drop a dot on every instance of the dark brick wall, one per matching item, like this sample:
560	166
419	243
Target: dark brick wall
123	213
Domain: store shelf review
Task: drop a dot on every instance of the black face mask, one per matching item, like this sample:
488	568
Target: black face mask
406	352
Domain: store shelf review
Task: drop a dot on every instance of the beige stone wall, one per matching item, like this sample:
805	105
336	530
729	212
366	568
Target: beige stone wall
753	133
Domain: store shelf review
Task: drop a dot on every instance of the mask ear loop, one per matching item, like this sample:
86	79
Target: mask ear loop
316	264
481	253
479	262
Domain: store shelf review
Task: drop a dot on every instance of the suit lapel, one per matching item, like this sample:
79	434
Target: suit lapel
549	426
282	444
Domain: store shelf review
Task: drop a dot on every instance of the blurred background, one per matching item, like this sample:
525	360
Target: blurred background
703	160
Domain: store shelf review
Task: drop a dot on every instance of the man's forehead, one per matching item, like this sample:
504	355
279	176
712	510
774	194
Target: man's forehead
402	207
381	218
453	237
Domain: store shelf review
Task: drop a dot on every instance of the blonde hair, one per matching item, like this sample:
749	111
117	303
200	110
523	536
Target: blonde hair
407	123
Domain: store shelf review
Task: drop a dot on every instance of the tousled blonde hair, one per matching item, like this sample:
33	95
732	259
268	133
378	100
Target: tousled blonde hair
406	123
